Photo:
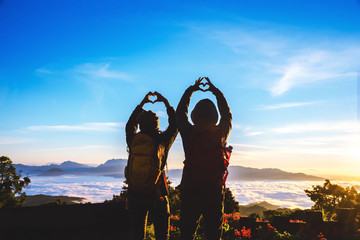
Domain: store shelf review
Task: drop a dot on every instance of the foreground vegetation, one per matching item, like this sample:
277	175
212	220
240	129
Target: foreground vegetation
325	215
333	216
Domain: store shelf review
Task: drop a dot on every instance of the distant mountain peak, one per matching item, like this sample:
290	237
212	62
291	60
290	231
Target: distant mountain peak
114	163
71	164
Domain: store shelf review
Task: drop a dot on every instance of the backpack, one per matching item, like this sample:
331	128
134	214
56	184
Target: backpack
144	164
207	158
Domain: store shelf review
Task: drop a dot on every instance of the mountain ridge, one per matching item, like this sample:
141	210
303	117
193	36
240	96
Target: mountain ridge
115	168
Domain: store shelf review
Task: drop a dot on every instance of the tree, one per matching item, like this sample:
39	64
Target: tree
230	204
174	198
121	198
329	197
11	185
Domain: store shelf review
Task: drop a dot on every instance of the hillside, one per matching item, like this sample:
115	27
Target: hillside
257	208
40	199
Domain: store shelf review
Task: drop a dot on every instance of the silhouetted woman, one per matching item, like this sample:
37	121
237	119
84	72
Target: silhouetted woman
201	186
145	197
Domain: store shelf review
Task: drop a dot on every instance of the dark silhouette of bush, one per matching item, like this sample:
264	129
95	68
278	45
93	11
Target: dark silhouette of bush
11	185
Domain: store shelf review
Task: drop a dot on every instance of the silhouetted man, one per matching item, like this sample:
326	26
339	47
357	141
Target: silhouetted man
201	185
144	173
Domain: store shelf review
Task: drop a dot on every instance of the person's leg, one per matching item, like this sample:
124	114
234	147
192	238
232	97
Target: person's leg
138	212
161	218
190	213
213	215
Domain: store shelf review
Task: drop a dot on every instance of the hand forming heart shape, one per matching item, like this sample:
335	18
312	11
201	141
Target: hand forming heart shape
152	98
204	85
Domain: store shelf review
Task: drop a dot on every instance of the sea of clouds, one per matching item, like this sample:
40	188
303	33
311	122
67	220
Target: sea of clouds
96	189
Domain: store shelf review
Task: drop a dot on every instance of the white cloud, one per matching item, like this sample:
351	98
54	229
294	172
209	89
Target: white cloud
241	40
162	114
248	130
90	70
236	126
94	189
44	70
286	105
72	149
101	70
313	66
105	126
13	140
284	193
250	146
254	133
341	126
100	78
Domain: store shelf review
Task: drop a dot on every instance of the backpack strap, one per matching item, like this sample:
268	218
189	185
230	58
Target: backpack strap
160	191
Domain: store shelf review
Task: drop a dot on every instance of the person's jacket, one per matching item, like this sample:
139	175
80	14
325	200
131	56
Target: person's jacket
186	128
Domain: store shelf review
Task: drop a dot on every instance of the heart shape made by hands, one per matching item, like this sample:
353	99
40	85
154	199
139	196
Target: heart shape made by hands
202	86
152	98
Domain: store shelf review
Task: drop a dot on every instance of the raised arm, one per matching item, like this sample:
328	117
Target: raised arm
224	109
132	124
182	109
169	135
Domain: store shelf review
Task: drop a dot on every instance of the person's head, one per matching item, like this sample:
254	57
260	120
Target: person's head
204	113
148	121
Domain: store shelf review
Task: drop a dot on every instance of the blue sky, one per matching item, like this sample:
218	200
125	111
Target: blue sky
71	72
